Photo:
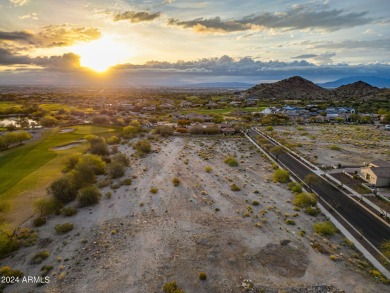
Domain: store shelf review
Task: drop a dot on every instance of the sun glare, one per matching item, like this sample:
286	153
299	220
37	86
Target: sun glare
101	54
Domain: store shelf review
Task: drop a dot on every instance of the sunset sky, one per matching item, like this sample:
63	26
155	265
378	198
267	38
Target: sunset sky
174	42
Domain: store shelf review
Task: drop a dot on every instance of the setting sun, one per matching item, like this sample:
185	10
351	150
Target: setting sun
101	54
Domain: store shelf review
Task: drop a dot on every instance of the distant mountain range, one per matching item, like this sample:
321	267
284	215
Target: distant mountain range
372	80
298	88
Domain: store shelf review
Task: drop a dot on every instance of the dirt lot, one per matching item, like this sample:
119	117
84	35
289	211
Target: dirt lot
137	241
349	145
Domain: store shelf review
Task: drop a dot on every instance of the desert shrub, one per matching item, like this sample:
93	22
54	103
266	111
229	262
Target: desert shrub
295	187
269	128
163	130
113	140
71	161
26	236
289	222
143	146
234	187
231	161
47	206
63	189
91	161
69	211
122	158
116	169
334	147
82	177
40	221
208	169
202	276
305	199
88	195
385	248
312	211
7	271
127	181
181	130
39	257
8	244
325	228
348	243
255	203
63	228
172	287
281	176
153	190
99	148
176	181
104	183
46	269
108	195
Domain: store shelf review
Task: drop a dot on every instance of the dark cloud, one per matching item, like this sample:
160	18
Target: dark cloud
299	17
64	35
210	25
16	36
305	56
52	36
135	17
224	65
8	58
379	44
65	62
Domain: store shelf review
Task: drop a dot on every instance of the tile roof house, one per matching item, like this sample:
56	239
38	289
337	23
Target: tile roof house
377	173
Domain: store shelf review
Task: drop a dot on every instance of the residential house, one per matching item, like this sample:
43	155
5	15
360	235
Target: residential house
377	173
227	131
185	104
211	105
167	106
149	108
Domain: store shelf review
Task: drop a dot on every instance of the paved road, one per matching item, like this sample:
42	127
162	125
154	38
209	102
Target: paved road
367	224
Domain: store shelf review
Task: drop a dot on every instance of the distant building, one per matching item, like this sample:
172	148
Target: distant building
149	109
377	173
167	106
185	104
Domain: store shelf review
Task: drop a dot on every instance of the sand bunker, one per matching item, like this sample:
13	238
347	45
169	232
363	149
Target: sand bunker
67	146
66	130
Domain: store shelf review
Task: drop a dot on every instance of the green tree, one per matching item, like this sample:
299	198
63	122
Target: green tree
163	130
47	206
129	131
116	169
88	195
281	176
48	121
63	189
93	162
71	161
143	146
304	199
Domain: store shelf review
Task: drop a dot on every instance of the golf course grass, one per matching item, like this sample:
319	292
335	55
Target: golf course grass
26	171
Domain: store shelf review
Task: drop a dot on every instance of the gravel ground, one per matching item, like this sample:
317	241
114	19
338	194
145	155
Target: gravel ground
137	241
